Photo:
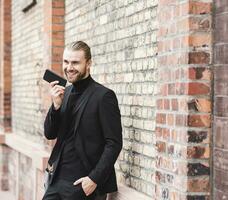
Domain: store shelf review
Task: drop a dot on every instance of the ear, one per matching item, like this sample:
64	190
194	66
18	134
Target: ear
89	63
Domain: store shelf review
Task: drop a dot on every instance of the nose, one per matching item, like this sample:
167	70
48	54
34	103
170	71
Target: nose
69	66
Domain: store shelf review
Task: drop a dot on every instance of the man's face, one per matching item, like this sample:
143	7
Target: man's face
75	66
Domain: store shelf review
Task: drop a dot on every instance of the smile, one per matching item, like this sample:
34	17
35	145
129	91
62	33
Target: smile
72	73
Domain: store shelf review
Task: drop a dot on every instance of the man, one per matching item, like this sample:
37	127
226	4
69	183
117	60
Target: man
85	119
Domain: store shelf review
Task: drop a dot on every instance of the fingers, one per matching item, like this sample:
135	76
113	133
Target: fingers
88	186
57	92
53	83
78	181
55	89
88	189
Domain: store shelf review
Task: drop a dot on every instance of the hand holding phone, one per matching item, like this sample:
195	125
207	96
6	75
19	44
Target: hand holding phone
57	88
57	93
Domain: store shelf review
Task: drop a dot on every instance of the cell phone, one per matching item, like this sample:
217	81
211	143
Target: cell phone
51	76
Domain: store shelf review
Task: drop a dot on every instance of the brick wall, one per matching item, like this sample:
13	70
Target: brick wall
37	44
156	56
4	168
122	36
37	41
5	89
183	120
220	185
17	174
5	66
27	68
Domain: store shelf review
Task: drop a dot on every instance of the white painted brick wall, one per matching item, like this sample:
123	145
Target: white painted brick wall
122	36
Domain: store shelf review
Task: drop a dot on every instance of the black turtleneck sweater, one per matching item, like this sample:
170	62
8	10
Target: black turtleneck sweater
70	167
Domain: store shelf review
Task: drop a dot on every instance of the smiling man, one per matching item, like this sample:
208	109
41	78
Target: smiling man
85	119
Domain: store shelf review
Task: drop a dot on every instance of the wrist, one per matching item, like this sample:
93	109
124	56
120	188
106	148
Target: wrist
56	106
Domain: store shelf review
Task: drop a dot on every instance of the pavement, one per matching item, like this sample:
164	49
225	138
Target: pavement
5	195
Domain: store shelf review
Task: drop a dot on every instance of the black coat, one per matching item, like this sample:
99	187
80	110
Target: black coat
98	138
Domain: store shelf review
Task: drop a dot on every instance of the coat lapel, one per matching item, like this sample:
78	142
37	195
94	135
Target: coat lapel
65	99
63	113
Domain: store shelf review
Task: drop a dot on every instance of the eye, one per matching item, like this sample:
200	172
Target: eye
65	62
75	62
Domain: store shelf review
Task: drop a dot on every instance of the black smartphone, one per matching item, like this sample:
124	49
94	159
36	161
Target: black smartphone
51	76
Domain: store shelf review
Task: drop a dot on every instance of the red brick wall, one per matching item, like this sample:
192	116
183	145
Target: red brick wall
54	36
183	118
38	42
5	66
5	88
220	155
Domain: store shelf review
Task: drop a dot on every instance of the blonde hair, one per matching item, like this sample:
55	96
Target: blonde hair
80	45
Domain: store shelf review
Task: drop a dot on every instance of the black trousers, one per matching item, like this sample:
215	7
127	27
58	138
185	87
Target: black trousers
65	190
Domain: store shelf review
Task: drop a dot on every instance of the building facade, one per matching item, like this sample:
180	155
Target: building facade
165	59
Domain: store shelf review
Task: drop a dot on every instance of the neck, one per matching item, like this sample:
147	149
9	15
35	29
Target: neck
82	84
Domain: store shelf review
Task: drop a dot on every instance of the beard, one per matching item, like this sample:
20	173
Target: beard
74	76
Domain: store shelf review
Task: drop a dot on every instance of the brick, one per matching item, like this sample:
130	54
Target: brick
166	104
58	4
180	88
58	28
171	149
199	185
219	54
218	194
159	104
196	169
161	118
161	146
171	89
220	124
221	179
199	105
56	42
220	87
221	73
198	136
200	73
220	22
198	197
58	11
221	106
181	120
198	88
196	23
174	104
58	20
199	120
170	119
221	6
198	152
200	40
200	8
220	159
220	83
199	58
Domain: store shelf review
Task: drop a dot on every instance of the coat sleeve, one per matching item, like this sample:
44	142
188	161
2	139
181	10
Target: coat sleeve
51	123
110	119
